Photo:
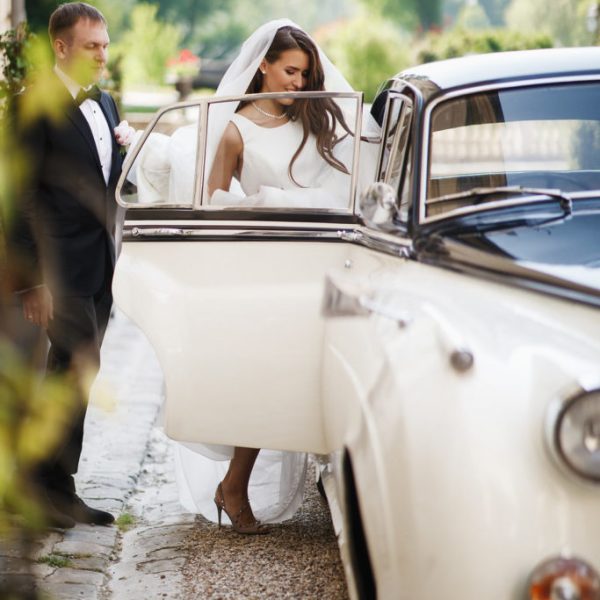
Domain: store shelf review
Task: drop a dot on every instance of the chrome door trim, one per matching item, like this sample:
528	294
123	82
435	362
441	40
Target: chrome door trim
201	155
406	101
374	240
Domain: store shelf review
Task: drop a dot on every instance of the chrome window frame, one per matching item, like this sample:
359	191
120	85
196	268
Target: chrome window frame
198	201
426	135
403	115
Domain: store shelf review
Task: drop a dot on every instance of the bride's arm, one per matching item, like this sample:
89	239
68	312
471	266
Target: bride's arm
228	159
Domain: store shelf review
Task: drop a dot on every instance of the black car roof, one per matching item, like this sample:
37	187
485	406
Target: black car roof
480	69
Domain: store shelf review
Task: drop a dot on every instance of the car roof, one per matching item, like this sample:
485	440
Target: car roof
479	69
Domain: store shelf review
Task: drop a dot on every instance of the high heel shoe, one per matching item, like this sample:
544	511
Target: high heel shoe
254	528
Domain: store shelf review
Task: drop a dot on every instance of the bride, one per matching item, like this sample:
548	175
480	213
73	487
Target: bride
300	137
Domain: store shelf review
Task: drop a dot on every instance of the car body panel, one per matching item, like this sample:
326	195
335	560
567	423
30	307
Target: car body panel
427	357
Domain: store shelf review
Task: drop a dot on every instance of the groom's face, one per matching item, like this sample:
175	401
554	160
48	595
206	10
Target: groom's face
82	51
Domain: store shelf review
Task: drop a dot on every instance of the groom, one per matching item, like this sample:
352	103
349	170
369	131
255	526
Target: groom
64	233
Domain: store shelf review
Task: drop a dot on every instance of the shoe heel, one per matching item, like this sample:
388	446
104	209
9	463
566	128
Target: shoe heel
219	510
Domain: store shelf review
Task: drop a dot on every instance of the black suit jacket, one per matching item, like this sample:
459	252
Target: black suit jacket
64	231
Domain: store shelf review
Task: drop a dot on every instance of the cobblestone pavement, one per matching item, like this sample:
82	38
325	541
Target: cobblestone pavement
158	550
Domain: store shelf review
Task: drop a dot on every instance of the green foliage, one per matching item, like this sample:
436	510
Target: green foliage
410	14
494	10
38	12
472	17
56	560
116	12
146	46
566	22
459	42
189	14
220	34
367	51
15	59
33	416
125	521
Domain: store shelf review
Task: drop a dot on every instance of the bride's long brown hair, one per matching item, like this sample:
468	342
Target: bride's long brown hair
319	116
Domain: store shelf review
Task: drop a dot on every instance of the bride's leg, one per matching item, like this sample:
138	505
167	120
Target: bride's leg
235	483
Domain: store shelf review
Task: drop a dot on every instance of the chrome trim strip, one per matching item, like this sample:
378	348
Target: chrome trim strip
266	95
356	153
131	156
152	233
200	156
270	209
466	92
406	101
390	244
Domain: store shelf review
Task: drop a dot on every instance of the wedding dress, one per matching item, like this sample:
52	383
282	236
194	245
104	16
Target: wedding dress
277	480
265	178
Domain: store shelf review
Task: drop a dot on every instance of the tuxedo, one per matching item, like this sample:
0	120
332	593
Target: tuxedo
63	236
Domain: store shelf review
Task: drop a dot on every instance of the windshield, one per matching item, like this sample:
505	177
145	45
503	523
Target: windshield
545	137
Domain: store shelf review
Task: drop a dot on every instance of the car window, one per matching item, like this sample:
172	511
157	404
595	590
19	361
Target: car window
300	158
543	137
164	170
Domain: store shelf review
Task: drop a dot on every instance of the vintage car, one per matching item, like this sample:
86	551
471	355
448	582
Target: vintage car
432	335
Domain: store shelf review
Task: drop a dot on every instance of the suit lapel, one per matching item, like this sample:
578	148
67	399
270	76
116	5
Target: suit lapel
83	127
107	107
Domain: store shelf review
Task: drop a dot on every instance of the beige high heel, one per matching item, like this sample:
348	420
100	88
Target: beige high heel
254	528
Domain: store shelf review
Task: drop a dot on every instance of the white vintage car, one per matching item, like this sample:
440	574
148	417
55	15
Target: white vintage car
432	335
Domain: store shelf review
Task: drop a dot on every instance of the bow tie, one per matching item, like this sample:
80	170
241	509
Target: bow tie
93	93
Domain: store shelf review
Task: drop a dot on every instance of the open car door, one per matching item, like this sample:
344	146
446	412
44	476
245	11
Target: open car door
228	287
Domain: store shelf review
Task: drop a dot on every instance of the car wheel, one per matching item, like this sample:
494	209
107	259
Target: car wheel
359	552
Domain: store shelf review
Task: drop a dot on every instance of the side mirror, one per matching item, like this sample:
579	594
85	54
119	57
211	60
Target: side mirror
378	205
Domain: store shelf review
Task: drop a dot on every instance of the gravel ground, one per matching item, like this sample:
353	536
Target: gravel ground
297	559
165	553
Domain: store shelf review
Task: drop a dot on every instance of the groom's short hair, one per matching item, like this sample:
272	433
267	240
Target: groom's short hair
67	15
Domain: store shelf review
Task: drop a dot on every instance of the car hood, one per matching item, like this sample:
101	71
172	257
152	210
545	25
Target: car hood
567	242
562	254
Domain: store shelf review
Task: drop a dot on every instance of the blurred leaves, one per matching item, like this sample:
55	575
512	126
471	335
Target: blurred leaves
33	415
45	95
14	45
367	51
566	22
32	412
146	46
410	14
460	42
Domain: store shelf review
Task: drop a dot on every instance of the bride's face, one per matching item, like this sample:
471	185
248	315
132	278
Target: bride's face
287	74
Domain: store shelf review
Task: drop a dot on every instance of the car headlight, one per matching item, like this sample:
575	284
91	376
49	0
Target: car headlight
576	434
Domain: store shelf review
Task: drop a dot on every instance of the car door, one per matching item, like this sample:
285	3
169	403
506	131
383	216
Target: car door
230	295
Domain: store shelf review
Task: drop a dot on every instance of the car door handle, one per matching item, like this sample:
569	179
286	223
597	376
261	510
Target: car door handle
158	232
345	298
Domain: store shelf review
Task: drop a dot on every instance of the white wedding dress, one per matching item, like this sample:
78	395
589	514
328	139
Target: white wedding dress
277	480
265	178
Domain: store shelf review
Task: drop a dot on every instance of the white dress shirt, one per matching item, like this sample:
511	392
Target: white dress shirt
97	121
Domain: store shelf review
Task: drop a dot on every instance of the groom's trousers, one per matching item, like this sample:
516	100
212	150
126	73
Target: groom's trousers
75	333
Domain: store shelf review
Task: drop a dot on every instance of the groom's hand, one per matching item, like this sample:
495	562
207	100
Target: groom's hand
38	307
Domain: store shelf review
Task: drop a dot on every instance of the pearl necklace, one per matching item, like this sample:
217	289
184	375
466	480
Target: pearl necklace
267	114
